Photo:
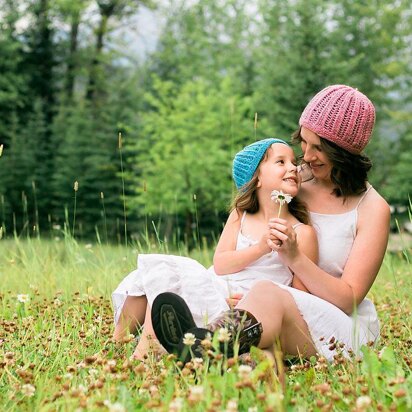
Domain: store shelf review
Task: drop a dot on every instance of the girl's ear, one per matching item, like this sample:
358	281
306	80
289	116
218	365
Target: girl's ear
258	183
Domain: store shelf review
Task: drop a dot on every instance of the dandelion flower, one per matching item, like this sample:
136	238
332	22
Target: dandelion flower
22	298
28	390
189	339
223	335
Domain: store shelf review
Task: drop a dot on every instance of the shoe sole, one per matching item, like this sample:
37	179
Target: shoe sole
171	319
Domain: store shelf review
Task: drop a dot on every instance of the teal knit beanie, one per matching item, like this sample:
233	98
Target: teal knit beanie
247	160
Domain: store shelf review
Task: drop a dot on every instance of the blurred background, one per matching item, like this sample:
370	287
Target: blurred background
181	82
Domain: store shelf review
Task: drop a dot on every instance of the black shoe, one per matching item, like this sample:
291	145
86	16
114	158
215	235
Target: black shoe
171	319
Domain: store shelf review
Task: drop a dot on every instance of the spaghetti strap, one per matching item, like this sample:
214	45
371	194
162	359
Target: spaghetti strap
364	195
296	225
243	219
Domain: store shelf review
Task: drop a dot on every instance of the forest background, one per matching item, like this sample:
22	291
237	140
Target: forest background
70	84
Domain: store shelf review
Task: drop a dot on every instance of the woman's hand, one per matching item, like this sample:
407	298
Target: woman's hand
234	299
282	239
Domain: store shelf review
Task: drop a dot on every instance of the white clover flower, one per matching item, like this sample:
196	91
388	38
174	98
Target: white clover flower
223	335
28	390
279	197
244	371
22	298
176	405
363	402
189	339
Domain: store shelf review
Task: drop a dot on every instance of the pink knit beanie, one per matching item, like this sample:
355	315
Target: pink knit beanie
342	115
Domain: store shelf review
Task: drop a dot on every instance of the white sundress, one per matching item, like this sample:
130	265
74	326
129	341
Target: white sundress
203	290
325	321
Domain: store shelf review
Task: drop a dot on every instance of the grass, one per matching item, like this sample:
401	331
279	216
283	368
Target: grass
56	351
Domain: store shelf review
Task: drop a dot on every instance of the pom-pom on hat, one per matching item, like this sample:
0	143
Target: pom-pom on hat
342	115
247	160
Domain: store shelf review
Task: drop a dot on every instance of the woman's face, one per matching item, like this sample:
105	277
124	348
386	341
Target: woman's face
313	155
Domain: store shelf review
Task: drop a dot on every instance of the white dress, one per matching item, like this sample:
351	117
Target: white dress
326	322
203	290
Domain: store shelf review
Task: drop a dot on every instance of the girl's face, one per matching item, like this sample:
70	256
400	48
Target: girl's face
313	155
278	171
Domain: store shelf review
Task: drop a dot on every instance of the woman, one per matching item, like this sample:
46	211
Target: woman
352	221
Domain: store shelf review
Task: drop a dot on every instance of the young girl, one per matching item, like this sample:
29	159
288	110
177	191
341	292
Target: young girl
242	256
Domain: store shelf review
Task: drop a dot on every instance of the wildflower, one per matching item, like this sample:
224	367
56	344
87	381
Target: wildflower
28	390
196	393
57	302
22	298
279	197
189	339
114	407
197	363
252	409
231	406
244	371
88	246
176	405
76	186
363	402
1	232
1	149
223	335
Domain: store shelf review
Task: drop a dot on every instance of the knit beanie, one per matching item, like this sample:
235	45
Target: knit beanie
247	160
342	115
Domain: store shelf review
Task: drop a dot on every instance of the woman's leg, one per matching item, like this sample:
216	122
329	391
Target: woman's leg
131	317
276	309
147	341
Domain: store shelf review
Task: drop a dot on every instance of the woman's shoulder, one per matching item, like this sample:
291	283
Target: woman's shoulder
374	207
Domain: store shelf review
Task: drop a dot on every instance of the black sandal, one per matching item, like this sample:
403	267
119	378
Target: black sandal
171	319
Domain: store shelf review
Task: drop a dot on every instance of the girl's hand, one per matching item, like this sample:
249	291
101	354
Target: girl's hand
263	243
282	239
234	299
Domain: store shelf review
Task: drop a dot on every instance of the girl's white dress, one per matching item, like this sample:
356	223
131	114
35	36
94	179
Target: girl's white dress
205	292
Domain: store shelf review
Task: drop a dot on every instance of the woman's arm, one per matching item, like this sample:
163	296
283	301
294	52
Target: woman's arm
363	262
308	245
229	260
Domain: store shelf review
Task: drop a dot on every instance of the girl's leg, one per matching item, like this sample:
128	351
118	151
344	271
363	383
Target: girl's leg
147	341
276	309
131	317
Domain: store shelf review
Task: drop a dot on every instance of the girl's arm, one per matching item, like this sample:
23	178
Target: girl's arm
363	262
308	244
229	260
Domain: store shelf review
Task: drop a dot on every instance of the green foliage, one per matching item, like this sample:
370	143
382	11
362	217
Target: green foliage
186	146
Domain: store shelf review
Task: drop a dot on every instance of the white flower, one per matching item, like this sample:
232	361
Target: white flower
114	407
196	393
231	406
28	390
189	339
176	405
223	335
252	409
363	402
22	298
1	149
244	371
279	197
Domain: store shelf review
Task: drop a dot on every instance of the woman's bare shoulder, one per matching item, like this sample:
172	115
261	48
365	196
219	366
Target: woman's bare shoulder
373	207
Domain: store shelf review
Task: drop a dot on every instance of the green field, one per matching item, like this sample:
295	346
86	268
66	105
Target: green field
56	351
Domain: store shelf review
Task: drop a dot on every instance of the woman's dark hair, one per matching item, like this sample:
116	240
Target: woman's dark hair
246	200
349	171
